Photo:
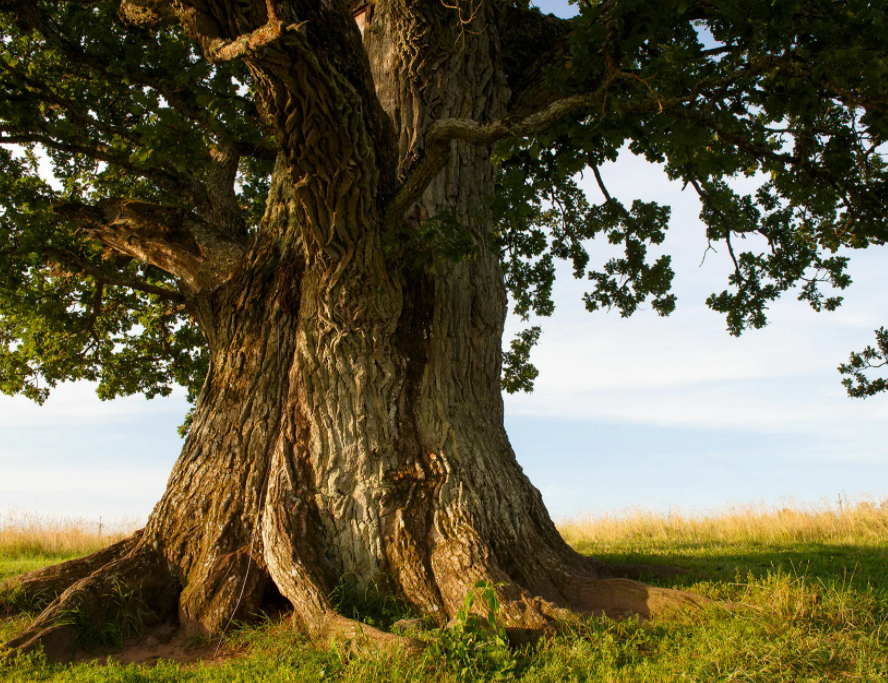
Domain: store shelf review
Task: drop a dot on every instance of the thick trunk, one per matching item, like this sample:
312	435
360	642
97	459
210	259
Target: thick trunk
351	426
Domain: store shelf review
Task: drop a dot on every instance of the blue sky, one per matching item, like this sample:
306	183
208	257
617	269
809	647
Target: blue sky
674	411
648	411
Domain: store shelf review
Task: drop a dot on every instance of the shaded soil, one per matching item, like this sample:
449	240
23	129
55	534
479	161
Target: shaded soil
162	642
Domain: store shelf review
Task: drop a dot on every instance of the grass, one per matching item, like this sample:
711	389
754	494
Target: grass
807	586
858	521
29	540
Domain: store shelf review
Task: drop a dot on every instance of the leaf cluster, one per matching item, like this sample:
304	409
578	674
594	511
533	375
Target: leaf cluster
790	95
93	109
856	381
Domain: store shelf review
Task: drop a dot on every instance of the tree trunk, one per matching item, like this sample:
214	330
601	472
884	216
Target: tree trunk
351	425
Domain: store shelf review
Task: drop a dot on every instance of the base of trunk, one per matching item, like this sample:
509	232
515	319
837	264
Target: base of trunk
128	586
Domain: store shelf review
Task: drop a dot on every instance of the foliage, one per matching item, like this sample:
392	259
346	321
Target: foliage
791	94
518	372
857	383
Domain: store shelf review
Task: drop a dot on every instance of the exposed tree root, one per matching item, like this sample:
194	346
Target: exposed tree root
638	572
137	581
359	636
621	598
42	586
527	617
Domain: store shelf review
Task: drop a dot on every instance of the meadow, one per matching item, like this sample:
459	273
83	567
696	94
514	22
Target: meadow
800	593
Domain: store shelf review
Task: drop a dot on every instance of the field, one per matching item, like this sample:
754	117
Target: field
800	594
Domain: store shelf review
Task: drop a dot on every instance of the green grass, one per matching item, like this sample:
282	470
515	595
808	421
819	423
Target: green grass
799	611
10	566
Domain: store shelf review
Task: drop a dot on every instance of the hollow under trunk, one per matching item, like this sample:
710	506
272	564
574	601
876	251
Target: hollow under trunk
351	425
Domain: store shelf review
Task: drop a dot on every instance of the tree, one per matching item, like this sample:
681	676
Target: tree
317	232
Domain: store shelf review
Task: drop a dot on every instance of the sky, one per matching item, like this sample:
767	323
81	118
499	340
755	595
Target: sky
646	411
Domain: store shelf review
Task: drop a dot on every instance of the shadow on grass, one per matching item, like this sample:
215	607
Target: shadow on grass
854	566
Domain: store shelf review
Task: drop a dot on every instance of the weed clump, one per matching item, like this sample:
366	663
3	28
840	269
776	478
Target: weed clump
122	616
476	646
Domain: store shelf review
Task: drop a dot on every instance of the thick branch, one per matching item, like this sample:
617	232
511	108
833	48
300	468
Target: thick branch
147	13
444	131
169	238
227	50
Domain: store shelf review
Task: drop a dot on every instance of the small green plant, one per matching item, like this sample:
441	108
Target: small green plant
124	617
195	641
476	645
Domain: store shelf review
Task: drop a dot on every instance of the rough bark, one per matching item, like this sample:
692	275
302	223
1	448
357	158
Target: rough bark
351	425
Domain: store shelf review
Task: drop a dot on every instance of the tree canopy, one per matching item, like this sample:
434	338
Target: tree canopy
105	117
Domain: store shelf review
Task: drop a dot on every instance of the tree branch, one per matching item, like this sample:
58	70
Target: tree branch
444	131
600	182
114	279
707	201
220	50
174	240
147	13
171	181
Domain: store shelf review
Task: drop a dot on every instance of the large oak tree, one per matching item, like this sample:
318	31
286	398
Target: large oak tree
319	231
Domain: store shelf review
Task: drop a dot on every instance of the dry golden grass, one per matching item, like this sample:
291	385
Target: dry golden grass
859	521
862	520
24	533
